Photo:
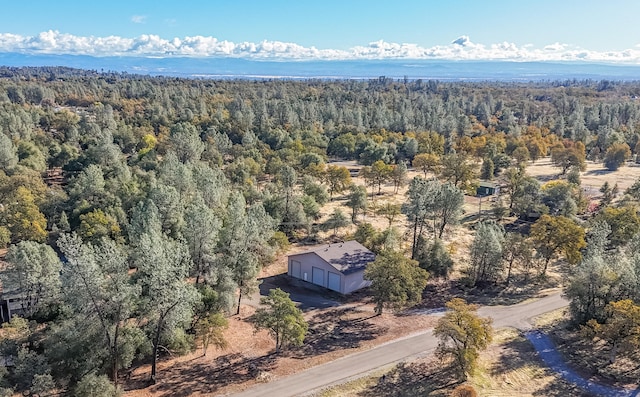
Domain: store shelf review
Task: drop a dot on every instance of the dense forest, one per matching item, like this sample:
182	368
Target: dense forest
138	210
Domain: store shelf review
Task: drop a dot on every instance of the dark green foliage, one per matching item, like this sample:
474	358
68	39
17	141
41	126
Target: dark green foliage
486	172
616	156
92	385
434	257
396	281
282	319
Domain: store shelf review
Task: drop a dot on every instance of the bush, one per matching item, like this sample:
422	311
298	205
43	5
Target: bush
42	384
616	155
93	385
279	241
464	391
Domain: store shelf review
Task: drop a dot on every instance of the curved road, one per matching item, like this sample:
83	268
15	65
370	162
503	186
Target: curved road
413	346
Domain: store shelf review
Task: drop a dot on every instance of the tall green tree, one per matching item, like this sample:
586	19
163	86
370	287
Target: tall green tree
101	294
399	176
434	257
202	226
447	207
486	253
168	299
420	199
517	254
243	245
8	155
602	277
186	142
282	319
34	270
357	200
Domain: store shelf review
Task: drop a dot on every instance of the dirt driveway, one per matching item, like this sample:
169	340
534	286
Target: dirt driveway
307	297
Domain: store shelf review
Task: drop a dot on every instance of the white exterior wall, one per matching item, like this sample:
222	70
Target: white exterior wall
307	263
354	281
348	283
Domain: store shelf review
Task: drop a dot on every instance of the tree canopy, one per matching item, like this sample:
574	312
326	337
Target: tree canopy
396	281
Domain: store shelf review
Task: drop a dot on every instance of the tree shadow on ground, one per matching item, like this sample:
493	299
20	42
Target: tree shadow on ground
438	293
343	328
560	388
518	354
517	292
515	354
591	358
208	376
306	295
414	379
602	171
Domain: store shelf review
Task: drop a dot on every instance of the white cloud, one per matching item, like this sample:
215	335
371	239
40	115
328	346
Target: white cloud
139	18
462	48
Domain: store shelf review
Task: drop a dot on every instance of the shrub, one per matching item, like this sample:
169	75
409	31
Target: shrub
464	391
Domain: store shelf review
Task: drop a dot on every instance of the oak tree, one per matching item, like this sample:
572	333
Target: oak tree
462	335
555	235
396	281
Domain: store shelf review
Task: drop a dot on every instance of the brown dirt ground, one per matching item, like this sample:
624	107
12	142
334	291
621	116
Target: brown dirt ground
333	333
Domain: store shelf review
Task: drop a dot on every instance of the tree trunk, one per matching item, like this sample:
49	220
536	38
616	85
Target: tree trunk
239	297
154	355
442	225
613	353
415	240
546	264
114	358
509	271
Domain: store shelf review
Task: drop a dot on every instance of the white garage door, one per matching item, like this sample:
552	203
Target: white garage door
317	276
334	281
295	269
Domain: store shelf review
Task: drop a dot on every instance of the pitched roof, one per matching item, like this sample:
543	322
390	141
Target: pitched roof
346	257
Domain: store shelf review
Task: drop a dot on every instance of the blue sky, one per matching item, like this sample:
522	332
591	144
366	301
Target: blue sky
586	29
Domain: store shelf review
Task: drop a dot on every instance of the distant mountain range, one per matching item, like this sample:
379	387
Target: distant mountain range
233	68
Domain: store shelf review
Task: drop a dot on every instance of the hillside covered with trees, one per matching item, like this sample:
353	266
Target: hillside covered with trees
137	211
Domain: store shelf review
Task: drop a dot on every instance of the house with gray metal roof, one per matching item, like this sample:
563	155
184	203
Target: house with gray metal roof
336	266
